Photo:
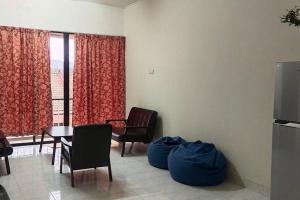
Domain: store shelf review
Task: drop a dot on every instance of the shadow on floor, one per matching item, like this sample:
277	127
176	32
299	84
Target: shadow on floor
138	149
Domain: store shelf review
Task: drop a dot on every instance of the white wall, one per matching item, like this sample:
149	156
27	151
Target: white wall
214	72
62	15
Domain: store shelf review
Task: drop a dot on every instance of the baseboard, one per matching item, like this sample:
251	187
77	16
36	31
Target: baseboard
251	185
262	189
234	177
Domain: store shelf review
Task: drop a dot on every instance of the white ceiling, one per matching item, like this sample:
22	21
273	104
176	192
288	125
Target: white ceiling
117	3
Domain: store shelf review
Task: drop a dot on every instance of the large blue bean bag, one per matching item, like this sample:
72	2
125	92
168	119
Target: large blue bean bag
197	164
159	150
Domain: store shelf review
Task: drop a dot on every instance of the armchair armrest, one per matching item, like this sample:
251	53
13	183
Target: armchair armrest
66	143
116	120
66	148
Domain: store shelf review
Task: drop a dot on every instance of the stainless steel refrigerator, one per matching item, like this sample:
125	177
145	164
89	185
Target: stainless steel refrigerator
285	184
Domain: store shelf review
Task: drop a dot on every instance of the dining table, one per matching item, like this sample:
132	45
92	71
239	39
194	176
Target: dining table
56	132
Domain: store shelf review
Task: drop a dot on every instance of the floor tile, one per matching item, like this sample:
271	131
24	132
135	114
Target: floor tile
34	178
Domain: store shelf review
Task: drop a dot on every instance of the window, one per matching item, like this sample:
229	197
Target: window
57	77
61	49
71	69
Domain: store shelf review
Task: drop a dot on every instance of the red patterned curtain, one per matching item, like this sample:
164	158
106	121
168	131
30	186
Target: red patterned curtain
99	79
25	92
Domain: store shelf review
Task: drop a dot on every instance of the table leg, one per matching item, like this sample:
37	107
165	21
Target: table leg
42	140
7	165
54	150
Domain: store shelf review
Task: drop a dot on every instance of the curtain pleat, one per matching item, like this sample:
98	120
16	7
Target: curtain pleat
99	79
25	92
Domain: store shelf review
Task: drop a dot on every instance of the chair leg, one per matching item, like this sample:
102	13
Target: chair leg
61	159
7	165
72	178
61	163
109	172
123	149
42	140
54	151
131	147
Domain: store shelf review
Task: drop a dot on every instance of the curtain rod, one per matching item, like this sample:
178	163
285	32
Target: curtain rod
61	32
64	32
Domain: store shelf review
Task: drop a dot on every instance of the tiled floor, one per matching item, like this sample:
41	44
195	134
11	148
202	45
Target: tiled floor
34	178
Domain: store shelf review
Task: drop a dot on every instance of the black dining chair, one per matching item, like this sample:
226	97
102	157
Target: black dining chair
90	148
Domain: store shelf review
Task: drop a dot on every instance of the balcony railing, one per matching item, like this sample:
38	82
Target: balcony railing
58	111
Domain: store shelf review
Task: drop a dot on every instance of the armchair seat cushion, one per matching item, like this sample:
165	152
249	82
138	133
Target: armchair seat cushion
132	135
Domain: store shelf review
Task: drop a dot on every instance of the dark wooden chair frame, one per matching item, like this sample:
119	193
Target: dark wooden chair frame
69	146
126	129
4	142
7	165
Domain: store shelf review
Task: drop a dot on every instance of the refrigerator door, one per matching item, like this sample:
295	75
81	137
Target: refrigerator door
285	163
287	92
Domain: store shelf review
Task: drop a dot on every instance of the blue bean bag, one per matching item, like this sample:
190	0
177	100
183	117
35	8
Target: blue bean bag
159	150
197	164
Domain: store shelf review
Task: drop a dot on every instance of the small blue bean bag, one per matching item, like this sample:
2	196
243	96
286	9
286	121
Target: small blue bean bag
159	150
197	164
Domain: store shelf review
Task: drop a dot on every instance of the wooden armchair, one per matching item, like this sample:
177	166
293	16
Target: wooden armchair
5	150
90	148
139	127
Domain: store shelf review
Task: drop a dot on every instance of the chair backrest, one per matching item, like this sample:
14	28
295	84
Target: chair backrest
91	146
143	117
